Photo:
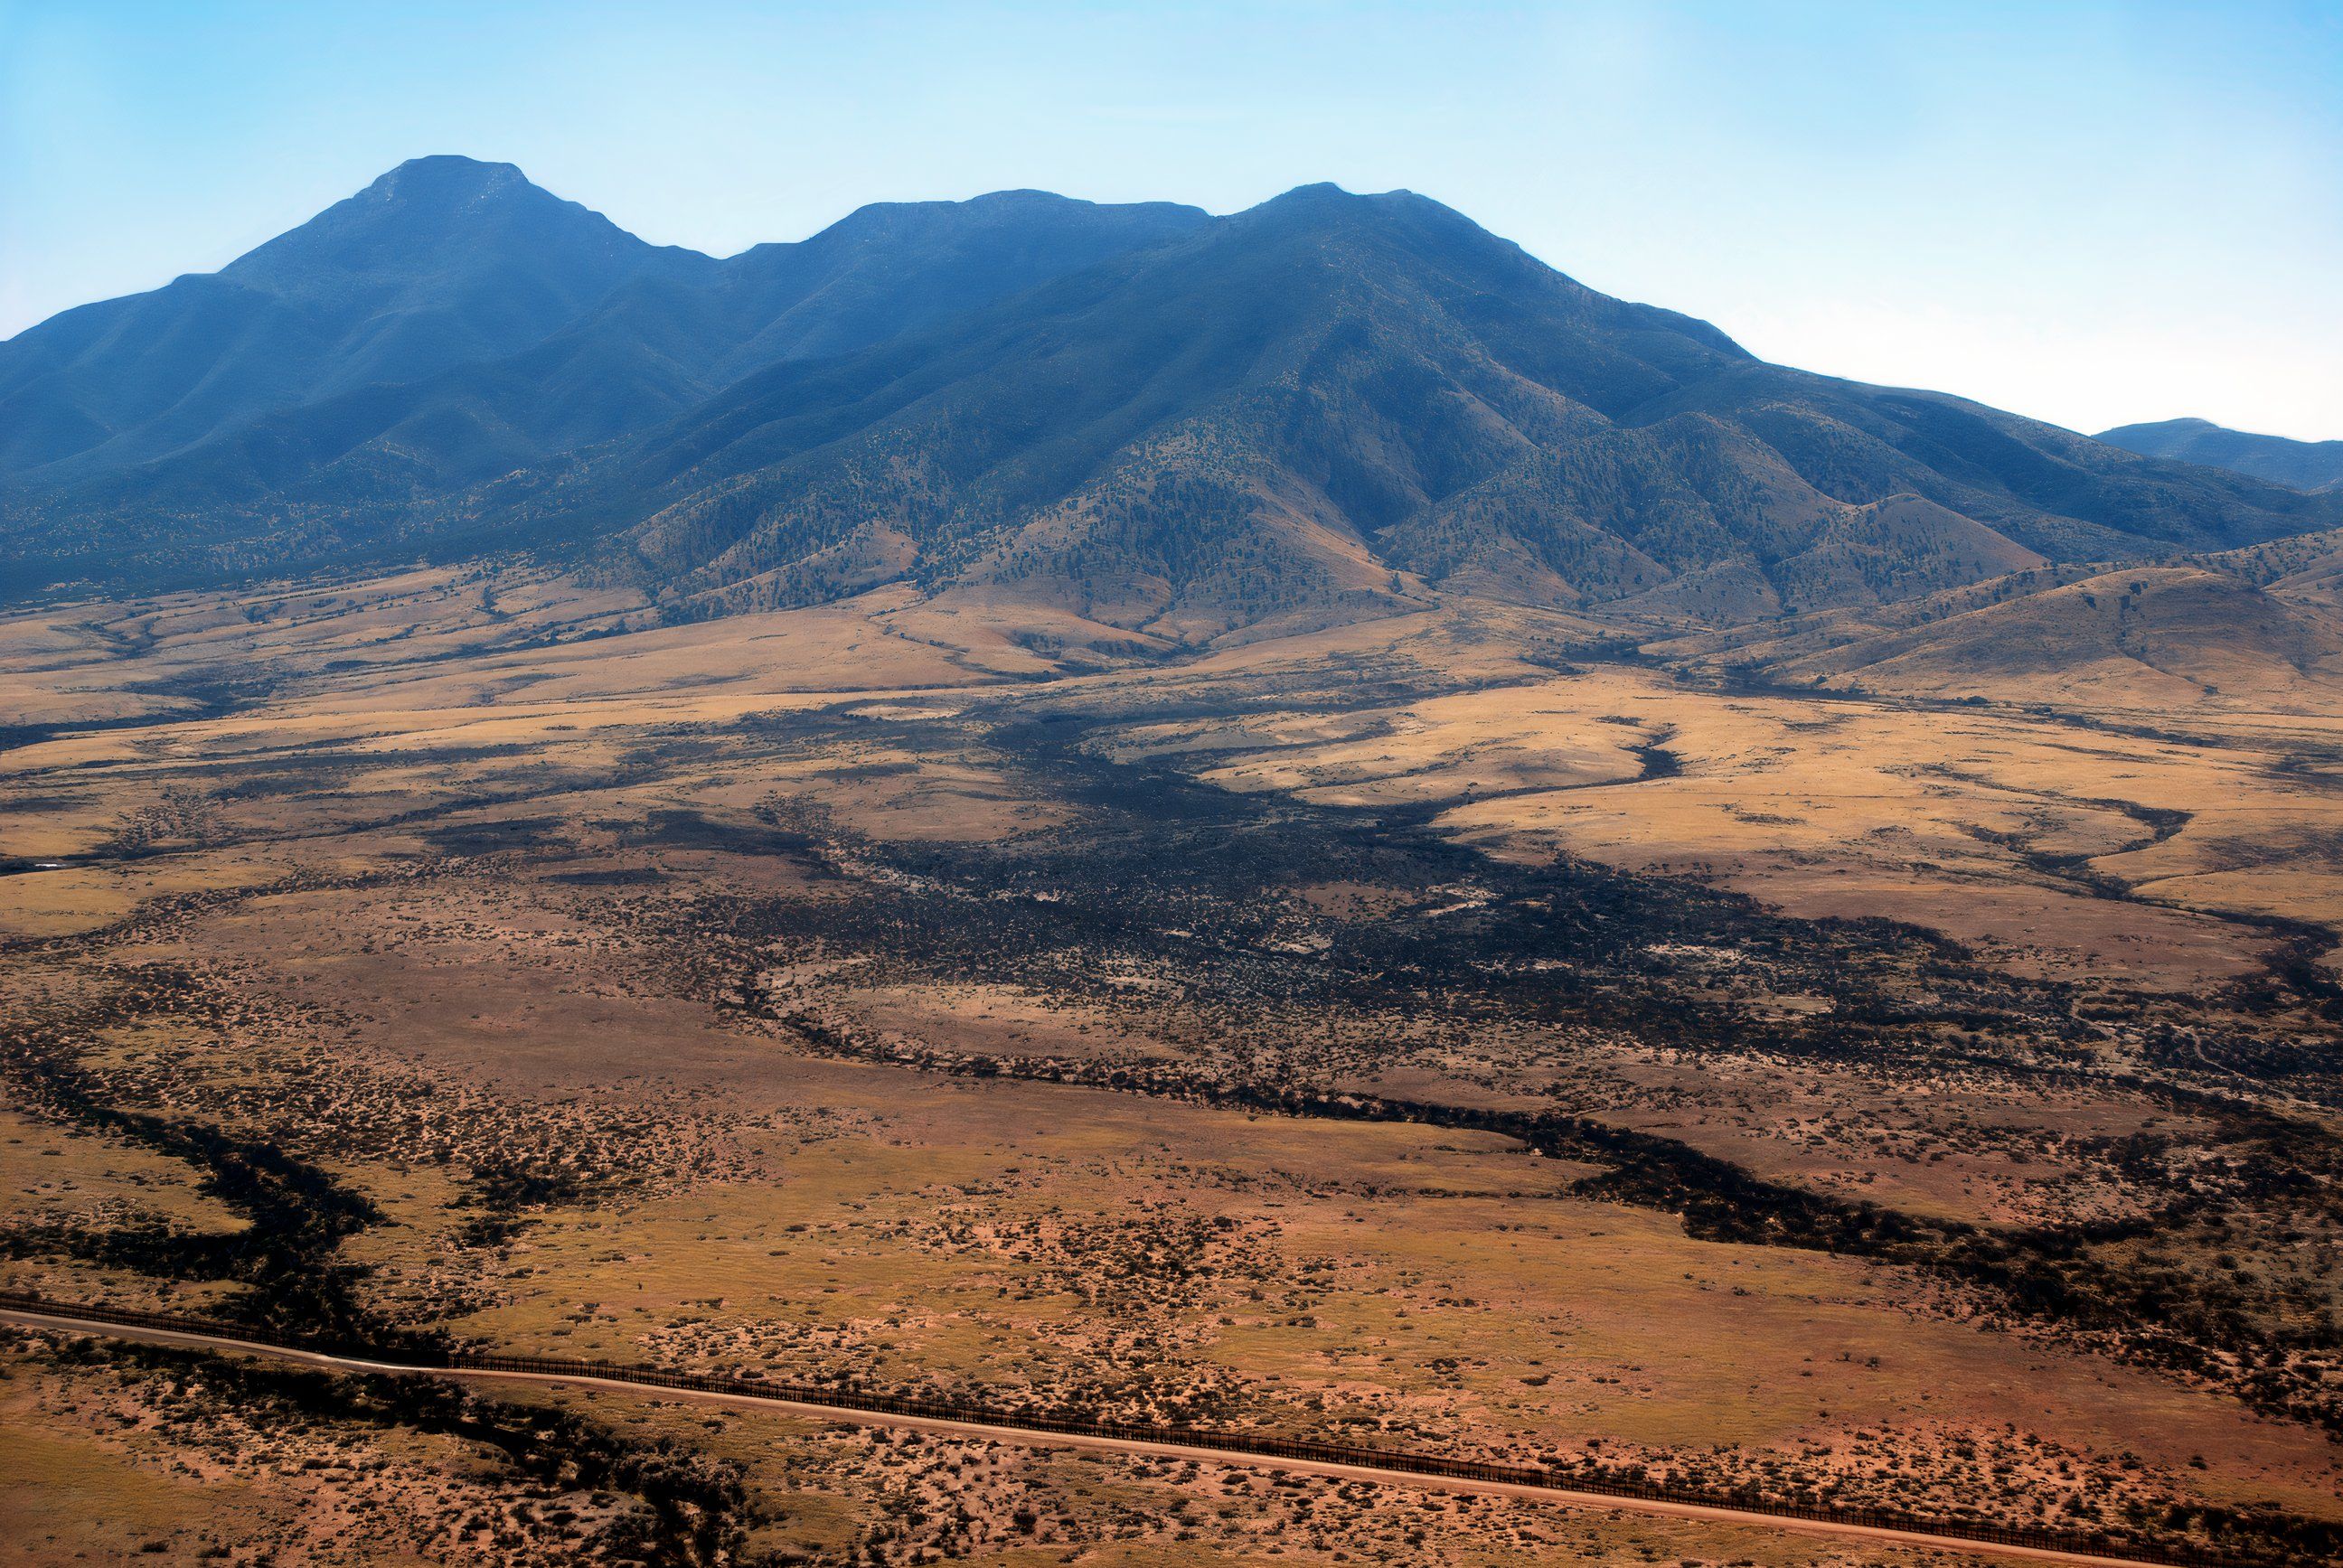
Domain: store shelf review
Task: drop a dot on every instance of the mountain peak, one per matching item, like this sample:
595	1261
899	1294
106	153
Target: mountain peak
440	175
1327	206
441	262
2180	426
1317	191
428	213
1325	195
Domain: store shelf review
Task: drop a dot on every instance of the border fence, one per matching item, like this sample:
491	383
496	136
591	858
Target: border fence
1257	1444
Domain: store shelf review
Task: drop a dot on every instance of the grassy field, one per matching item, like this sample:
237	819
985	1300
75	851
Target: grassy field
1834	1097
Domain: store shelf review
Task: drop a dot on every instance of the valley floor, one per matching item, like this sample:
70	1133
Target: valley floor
1452	1031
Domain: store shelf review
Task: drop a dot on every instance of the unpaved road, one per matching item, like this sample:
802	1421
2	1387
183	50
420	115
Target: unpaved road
1005	1433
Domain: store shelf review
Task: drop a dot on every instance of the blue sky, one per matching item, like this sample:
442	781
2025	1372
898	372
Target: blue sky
2090	213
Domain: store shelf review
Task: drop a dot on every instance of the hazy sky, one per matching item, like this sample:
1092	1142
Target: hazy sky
2090	213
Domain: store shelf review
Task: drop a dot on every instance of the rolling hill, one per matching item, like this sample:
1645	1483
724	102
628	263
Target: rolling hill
2259	628
2160	637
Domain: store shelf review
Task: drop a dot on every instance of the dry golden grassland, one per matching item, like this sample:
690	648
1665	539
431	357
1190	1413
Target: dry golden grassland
1834	807
825	997
125	1457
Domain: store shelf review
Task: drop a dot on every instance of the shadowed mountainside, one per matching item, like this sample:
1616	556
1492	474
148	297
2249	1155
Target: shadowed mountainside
1332	402
441	262
450	325
1329	406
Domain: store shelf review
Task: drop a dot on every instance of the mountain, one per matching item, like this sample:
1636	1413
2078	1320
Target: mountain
453	324
655	345
2304	465
1184	427
441	262
1332	405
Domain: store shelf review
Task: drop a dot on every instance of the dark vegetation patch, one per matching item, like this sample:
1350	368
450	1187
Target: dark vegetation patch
29	804
500	836
299	1215
1657	761
616	876
288	1257
693	1511
681	828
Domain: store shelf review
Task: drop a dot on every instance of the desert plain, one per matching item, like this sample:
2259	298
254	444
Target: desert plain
1483	1029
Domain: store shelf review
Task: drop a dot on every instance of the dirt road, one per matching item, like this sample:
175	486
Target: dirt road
1000	1432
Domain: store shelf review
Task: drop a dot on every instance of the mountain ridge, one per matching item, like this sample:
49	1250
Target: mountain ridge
1325	406
1405	397
359	298
439	262
2303	465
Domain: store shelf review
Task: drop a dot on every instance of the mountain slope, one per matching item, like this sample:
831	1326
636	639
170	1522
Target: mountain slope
441	262
322	392
2303	465
656	344
1335	403
1328	407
